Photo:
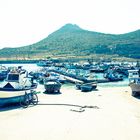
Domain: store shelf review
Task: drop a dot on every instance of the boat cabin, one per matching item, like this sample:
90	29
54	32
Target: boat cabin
16	75
134	75
13	77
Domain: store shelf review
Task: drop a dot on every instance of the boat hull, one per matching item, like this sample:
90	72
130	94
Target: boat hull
13	96
135	89
52	87
86	87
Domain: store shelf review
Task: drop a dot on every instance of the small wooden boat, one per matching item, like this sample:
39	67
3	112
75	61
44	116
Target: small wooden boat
13	88
113	77
52	86
44	63
85	87
96	69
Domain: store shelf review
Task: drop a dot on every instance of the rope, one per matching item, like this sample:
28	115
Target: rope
81	108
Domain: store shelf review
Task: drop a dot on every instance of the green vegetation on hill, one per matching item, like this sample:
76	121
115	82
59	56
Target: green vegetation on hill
72	41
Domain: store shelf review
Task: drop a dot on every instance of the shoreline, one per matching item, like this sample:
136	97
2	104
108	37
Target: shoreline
18	61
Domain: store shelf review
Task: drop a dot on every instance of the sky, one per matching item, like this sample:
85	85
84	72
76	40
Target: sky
24	22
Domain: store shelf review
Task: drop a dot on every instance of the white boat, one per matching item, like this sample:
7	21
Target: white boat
134	82
14	87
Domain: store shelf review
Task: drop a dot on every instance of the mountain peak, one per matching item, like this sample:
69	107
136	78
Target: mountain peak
69	27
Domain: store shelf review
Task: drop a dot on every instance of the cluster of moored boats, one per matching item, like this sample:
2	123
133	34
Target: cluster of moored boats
17	85
84	74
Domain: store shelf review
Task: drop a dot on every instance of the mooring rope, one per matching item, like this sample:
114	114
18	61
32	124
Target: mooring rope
81	108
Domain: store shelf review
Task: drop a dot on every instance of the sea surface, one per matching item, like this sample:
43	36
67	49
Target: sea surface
34	67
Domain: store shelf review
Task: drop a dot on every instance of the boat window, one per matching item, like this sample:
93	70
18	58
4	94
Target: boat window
135	73
138	81
13	77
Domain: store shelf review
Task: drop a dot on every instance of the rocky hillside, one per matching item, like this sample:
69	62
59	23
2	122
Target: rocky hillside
71	40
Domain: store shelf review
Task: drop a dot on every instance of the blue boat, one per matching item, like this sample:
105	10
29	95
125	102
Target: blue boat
85	87
44	63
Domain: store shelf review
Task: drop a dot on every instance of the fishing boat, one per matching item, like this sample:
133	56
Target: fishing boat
134	81
85	87
113	76
97	69
44	63
51	85
14	87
